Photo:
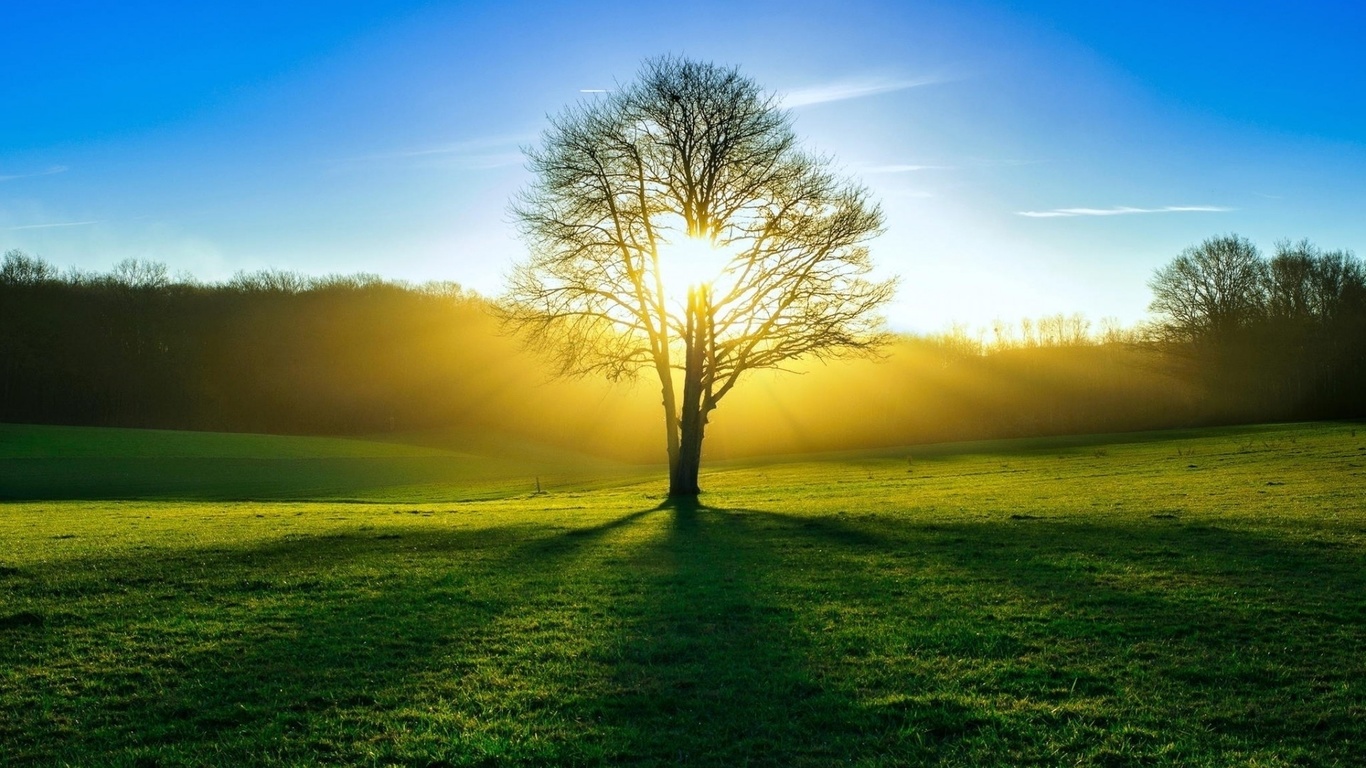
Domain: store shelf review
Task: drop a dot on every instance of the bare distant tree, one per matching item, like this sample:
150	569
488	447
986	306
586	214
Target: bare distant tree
690	151
1338	285
1112	332
1210	290
1306	284
1290	280
1078	330
1052	330
141	274
19	268
1027	337
1002	334
270	281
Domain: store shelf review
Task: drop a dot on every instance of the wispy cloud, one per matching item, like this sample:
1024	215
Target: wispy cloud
47	172
475	154
913	194
850	88
1121	210
897	167
56	224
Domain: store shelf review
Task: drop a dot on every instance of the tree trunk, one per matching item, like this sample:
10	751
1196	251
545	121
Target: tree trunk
683	477
670	402
692	421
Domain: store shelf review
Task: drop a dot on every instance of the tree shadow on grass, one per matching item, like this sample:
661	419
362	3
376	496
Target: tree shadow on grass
310	648
1235	637
764	637
700	672
696	635
715	665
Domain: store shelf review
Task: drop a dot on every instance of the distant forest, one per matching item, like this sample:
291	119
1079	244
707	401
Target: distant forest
1234	337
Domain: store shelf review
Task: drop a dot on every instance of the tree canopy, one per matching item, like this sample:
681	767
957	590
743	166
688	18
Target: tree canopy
626	187
1210	290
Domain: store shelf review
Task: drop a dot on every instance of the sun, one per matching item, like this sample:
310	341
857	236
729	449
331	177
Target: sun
690	262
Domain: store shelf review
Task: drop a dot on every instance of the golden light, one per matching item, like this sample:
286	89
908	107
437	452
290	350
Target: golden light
689	262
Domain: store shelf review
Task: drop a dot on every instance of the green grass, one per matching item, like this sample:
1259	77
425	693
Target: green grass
39	462
1185	599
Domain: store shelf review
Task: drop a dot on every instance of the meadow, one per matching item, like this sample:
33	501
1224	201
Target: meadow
1193	598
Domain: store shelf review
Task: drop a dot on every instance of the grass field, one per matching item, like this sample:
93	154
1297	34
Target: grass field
1179	599
47	463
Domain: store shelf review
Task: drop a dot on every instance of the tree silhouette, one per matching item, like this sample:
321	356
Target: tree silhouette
1210	291
19	268
626	187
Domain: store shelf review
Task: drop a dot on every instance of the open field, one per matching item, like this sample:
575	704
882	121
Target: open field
1193	598
40	462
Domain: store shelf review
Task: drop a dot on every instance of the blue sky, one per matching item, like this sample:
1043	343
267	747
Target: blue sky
1030	161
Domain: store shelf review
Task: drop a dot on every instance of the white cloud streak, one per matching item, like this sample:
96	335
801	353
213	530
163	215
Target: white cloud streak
471	160
1121	210
51	226
50	171
474	154
899	168
852	88
491	152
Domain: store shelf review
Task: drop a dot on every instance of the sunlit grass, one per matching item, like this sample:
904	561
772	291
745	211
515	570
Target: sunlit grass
1189	599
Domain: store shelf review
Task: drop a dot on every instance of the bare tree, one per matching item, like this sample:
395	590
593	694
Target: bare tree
1052	330
1002	335
1210	290
1339	286
1078	330
19	268
690	152
1290	280
1112	332
1305	284
270	281
140	274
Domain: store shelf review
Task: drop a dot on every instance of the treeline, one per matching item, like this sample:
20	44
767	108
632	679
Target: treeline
1282	337
1056	330
924	390
266	351
274	351
1236	335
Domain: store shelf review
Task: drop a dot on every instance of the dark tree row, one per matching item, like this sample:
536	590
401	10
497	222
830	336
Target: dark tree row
1277	338
268	351
1236	337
